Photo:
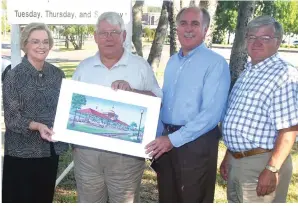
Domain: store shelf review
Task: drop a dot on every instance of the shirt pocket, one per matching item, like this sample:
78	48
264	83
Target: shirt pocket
257	98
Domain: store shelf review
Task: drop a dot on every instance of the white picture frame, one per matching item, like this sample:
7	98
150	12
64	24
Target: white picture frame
98	117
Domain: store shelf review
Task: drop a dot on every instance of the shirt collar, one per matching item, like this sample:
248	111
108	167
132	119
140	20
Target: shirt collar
32	69
199	47
122	62
265	63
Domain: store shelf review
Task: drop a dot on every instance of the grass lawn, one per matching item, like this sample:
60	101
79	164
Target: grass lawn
68	68
66	190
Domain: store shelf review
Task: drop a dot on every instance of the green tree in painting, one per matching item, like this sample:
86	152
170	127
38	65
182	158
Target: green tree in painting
133	125
77	102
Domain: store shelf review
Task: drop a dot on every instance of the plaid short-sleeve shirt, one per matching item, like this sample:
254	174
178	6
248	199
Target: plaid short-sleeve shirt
263	100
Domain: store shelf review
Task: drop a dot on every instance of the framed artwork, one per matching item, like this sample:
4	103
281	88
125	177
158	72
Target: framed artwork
99	117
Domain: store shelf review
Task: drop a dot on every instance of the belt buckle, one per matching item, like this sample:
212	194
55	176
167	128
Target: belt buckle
168	128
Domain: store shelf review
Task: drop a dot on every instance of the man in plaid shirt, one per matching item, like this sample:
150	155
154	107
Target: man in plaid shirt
261	121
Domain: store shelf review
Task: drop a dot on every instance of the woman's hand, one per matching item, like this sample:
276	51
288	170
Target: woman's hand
43	129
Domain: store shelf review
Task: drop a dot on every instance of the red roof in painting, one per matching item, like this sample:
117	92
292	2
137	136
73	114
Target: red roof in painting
94	112
101	115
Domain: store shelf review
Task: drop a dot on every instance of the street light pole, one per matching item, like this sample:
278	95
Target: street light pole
142	111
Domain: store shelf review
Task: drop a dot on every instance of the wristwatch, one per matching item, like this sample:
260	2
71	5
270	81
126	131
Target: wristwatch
272	168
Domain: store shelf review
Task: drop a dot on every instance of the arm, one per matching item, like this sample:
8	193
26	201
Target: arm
12	112
214	99
224	167
284	113
151	85
283	145
76	75
14	121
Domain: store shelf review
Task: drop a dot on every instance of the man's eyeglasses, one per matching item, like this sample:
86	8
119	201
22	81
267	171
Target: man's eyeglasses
106	34
263	39
37	42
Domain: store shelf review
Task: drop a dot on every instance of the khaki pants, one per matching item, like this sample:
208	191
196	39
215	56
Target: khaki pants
103	176
243	179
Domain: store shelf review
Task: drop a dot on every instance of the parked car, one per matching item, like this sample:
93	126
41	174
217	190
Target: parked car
295	43
6	66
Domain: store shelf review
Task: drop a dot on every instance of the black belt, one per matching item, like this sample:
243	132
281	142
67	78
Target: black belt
171	128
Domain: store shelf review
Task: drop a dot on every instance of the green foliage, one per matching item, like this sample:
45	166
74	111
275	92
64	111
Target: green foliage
153	9
149	33
4	4
77	101
5	27
264	8
133	124
226	20
286	12
76	34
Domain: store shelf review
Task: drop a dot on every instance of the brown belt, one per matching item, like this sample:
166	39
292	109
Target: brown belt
238	155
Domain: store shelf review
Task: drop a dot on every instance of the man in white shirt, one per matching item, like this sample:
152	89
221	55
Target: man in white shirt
103	176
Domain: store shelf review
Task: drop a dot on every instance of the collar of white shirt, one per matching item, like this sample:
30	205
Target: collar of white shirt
122	62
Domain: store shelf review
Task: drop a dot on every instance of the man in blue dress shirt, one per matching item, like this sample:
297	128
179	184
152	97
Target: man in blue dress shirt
196	86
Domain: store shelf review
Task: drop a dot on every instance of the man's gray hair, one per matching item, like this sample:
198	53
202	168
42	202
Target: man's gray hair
206	15
264	21
113	18
32	27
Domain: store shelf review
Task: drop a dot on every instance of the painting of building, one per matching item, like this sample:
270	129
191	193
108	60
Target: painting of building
107	118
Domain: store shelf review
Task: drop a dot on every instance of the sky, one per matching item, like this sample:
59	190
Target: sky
126	112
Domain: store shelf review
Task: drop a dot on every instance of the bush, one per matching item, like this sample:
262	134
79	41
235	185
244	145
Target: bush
288	46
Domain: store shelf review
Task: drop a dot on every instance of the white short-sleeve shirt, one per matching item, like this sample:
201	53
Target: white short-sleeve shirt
131	68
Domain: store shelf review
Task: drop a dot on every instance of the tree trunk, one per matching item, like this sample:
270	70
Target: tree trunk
80	37
74	43
173	9
211	6
66	42
160	34
194	3
239	54
137	12
229	36
74	119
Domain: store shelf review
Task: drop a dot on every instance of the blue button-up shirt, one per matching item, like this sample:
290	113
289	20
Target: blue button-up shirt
195	92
